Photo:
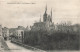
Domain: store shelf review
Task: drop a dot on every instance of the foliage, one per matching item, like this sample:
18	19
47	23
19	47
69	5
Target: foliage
53	41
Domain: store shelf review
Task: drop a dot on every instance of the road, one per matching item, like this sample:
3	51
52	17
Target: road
3	45
16	48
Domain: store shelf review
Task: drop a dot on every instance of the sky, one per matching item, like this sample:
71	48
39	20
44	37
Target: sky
15	13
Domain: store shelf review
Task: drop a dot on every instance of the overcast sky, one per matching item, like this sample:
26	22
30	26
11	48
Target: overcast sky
12	15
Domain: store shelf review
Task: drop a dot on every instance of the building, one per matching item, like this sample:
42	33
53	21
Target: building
28	28
12	31
46	24
20	35
17	33
38	26
5	32
47	18
21	27
0	30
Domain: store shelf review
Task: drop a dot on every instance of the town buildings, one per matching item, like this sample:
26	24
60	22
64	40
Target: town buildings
17	34
13	31
20	33
5	32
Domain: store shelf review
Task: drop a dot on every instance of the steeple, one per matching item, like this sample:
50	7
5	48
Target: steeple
46	9
45	15
51	15
51	12
40	18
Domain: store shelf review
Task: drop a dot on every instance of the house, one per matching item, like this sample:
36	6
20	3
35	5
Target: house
5	32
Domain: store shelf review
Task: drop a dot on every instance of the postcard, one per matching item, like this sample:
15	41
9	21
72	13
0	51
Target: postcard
39	25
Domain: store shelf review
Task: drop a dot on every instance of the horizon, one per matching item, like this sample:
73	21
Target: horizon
36	22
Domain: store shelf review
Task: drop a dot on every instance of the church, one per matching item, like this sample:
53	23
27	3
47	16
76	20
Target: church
47	18
46	24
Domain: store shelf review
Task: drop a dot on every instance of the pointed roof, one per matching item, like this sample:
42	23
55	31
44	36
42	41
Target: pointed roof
46	9
51	12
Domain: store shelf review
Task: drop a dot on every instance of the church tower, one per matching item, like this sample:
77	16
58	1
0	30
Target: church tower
45	15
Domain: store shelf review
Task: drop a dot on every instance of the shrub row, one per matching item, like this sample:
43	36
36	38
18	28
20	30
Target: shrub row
52	41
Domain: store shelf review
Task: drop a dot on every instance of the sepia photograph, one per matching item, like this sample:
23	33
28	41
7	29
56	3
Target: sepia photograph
39	25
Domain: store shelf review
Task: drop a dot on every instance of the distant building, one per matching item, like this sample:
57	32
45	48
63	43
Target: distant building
0	30
5	32
46	24
21	27
47	18
12	31
39	26
18	33
27	28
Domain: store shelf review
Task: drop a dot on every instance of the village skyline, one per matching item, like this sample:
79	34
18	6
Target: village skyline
13	15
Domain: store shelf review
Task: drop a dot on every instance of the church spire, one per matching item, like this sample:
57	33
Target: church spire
51	15
51	12
45	15
46	9
40	18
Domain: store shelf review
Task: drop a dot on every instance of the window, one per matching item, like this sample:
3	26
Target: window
21	32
